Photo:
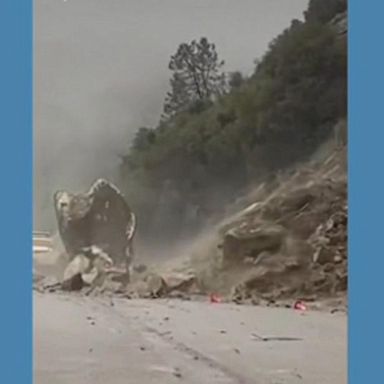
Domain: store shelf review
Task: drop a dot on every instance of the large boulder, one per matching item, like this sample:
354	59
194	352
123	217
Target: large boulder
100	217
242	243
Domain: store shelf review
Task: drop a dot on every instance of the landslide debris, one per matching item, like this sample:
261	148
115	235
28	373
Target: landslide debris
289	242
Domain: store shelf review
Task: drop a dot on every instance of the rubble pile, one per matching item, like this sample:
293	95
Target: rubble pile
146	284
292	243
329	242
168	284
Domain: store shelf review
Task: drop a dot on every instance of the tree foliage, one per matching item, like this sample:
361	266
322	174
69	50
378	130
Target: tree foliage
236	80
196	76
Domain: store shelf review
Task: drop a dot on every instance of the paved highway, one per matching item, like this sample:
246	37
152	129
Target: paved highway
80	340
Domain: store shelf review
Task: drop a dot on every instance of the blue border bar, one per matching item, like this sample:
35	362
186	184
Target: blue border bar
366	191
16	191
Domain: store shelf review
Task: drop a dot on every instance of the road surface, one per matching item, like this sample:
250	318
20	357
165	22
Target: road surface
80	340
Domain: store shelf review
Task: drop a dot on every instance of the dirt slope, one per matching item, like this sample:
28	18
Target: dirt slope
290	242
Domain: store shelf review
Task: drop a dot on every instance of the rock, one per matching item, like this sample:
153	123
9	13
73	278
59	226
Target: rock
75	283
110	223
260	281
342	283
329	267
50	284
240	243
338	259
172	284
323	255
88	278
84	270
319	281
79	265
156	286
181	282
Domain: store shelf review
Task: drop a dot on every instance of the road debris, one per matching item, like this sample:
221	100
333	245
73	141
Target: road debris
177	373
290	242
274	338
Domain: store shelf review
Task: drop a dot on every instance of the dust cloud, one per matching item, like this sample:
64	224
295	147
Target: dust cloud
100	72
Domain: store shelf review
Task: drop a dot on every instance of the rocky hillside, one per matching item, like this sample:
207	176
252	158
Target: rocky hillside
290	242
293	241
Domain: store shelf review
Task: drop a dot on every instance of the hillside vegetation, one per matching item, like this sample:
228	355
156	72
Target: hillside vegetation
182	172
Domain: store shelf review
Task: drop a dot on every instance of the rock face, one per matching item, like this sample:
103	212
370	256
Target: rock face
340	24
99	217
292	243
